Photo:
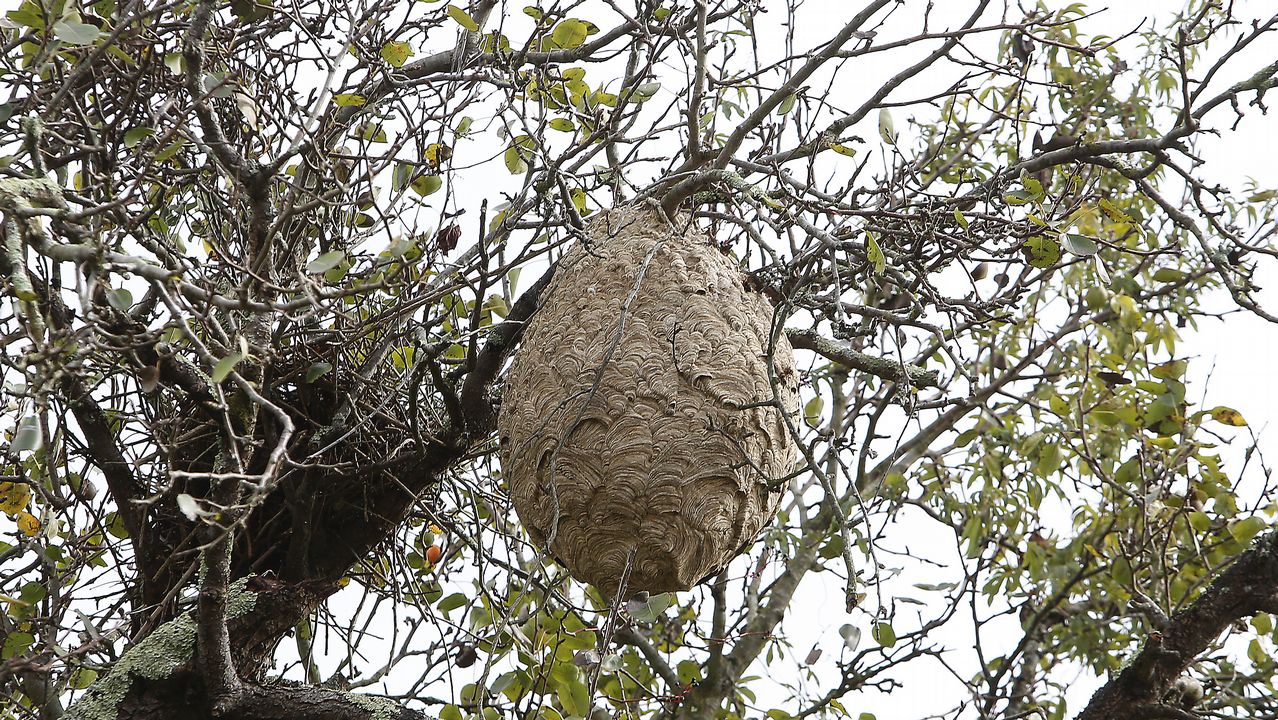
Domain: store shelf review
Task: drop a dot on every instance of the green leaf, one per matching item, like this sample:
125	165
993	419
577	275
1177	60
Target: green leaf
1018	197
562	125
170	151
960	218
1170	370
1263	622
812	411
1041	252
317	371
426	185
515	161
452	602
1168	275
120	299
874	253
137	135
651	609
1247	528
1080	245
27	435
28	14
402	175
83	677
883	634
349	100
396	53
518	154
16	643
115	526
224	367
787	104
570	33
325	262
463	18
645	91
1199	521
71	30
578	200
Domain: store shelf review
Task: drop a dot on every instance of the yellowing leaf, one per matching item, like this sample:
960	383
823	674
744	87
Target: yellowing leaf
14	497
396	53
28	524
1113	213
437	153
874	254
349	100
570	33
578	199
843	149
463	18
1228	416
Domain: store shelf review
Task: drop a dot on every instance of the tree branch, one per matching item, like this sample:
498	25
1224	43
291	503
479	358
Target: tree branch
1249	586
890	370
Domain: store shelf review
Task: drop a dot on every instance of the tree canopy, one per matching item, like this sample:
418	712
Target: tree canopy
266	264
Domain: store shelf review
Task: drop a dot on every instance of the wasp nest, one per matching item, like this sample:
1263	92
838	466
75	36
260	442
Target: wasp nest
636	419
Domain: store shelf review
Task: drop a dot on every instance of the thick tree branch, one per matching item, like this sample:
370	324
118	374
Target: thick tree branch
1249	586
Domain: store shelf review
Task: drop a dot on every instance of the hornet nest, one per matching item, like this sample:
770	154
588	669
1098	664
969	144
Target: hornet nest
638	428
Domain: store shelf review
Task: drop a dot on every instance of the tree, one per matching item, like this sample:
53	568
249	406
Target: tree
268	262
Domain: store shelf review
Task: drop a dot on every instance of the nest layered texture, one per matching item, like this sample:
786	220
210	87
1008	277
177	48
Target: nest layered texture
634	422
